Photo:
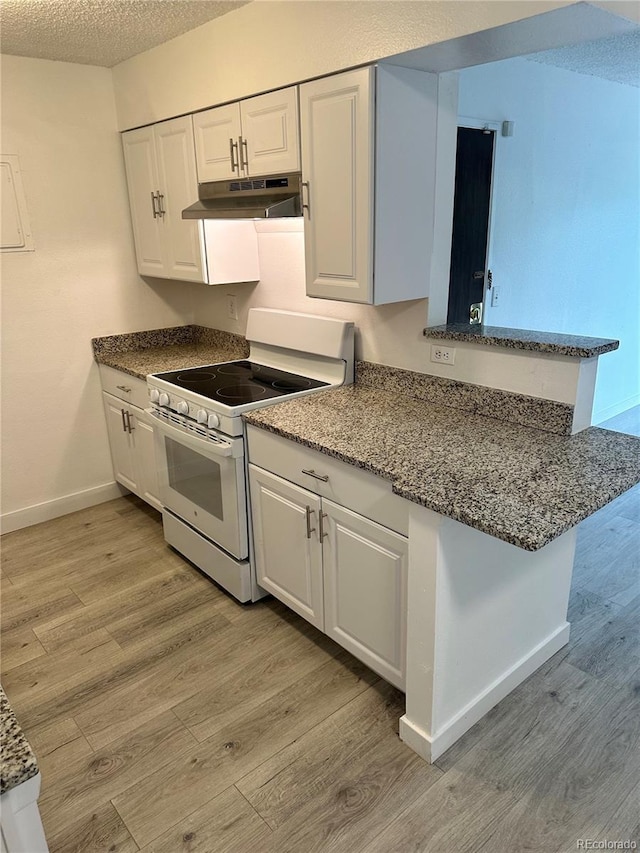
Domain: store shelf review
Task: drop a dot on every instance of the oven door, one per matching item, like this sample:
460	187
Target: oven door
202	482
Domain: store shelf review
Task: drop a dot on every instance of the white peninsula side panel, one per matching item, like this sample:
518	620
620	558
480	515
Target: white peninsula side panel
482	616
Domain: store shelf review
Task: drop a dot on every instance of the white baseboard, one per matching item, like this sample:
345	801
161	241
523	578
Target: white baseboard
30	515
617	409
431	747
416	738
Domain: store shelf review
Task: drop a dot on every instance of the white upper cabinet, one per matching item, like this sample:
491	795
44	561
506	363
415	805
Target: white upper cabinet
217	134
162	180
258	136
368	141
142	179
179	188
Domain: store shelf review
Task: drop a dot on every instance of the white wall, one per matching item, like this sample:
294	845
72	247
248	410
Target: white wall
391	334
266	45
80	282
566	224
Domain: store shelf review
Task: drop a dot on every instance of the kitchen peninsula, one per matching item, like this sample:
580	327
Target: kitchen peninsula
493	504
488	486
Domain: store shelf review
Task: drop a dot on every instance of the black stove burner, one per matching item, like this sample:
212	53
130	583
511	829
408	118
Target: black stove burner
243	392
298	384
235	383
196	376
232	369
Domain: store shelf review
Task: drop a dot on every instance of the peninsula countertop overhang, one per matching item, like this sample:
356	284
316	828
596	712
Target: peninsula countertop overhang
522	485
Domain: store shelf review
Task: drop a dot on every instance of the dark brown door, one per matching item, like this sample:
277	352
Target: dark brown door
474	165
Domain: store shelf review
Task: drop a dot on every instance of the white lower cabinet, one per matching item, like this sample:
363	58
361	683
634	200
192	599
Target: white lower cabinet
132	448
365	589
288	556
130	432
344	573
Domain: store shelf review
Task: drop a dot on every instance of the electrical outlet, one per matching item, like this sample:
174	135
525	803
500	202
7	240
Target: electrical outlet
232	307
443	355
495	296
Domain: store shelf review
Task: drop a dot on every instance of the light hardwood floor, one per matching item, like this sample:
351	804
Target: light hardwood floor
168	718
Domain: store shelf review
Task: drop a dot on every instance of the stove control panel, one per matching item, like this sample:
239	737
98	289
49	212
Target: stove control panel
166	402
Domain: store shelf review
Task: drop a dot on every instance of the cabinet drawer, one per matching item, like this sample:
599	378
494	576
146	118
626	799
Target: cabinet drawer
346	485
124	386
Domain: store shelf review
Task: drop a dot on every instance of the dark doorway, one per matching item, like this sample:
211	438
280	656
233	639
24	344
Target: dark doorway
471	208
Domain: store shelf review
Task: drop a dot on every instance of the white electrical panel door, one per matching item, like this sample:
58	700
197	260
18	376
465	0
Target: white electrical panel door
217	134
270	141
337	139
14	219
183	238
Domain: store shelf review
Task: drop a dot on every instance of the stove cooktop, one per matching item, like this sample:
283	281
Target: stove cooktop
235	383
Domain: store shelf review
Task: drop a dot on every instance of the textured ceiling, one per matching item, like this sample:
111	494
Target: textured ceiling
616	58
99	32
105	32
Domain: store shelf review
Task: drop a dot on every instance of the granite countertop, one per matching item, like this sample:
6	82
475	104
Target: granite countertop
575	346
158	350
523	485
17	762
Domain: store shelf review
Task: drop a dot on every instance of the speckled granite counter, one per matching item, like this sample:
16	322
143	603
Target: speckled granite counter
17	761
157	350
575	346
516	483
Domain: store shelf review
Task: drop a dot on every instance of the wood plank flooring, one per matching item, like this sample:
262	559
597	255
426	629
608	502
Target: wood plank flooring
168	718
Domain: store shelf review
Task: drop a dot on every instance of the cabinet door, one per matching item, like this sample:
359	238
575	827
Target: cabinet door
287	550
365	578
121	442
145	459
337	123
143	182
217	133
270	132
183	239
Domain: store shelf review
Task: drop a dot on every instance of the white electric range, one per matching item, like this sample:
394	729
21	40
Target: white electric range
200	434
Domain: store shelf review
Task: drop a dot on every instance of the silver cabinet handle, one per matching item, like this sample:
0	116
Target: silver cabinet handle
124	388
323	532
306	206
153	206
308	513
312	473
124	422
244	154
161	210
235	165
128	417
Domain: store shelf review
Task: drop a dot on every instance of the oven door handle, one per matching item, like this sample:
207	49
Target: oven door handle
232	447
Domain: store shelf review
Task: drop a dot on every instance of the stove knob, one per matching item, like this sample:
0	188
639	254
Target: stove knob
201	416
213	421
154	395
183	407
163	399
